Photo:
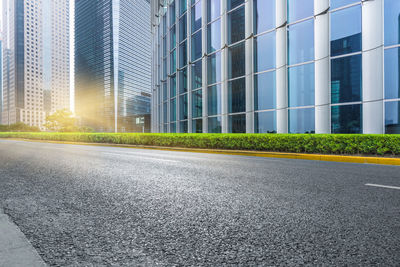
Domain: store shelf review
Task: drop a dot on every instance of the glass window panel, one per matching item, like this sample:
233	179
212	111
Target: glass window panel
182	55
172	128
183	107
172	86
197	75
300	9
237	123
392	73
214	68
346	31
196	17
164	68
182	28
182	6
346	119
164	25
172	62
214	125
301	85
392	117
172	39
197	126
301	42
264	15
197	104
165	128
346	79
172	14
214	100
234	3
392	22
196	46
213	9
165	91
236	61
183	81
165	112
265	122
183	127
264	91
236	25
237	96
172	111
340	3
302	120
214	36
264	52
164	47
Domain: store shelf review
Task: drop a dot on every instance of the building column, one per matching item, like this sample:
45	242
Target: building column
281	67
204	63
322	73
249	46
224	69
372	67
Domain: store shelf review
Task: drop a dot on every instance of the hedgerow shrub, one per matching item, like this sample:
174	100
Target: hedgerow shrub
299	143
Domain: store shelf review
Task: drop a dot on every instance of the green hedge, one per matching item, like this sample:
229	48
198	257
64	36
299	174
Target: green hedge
300	143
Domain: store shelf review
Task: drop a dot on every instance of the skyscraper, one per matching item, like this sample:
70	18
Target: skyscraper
113	64
35	60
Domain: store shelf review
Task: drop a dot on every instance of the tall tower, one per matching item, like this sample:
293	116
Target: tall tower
113	64
35	60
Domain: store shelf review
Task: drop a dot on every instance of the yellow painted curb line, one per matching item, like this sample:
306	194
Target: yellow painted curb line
320	157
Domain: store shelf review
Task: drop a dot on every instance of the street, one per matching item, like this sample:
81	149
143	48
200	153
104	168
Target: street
96	205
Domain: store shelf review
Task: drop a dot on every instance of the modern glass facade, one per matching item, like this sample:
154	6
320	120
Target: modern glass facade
276	66
112	63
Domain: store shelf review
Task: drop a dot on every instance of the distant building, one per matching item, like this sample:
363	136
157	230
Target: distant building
113	64
35	60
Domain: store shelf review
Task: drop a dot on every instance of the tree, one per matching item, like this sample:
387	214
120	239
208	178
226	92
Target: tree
61	121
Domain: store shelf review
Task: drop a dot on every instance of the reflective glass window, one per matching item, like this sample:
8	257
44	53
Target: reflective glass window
165	91
392	117
214	100
392	22
264	52
197	126
265	122
197	104
164	25
301	85
196	17
183	81
172	62
172	86
172	128
173	110
182	28
214	125
196	46
392	73
264	15
301	42
346	119
182	6
172	14
182	54
340	3
346	79
183	127
237	123
237	96
172	38
213	9
197	75
165	112
234	3
183	107
214	68
164	68
346	31
236	61
236	25
264	91
300	9
164	47
165	128
214	36
302	120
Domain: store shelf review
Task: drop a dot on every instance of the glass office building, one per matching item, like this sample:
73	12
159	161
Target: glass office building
112	64
276	66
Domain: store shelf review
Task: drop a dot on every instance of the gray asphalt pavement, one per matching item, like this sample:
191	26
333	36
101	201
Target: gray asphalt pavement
93	206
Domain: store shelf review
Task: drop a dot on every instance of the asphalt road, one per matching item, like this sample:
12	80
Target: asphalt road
92	205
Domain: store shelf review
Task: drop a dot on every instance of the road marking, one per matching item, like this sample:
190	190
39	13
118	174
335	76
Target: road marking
142	157
384	186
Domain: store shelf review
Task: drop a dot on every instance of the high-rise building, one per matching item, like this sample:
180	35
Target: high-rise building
112	64
35	60
276	66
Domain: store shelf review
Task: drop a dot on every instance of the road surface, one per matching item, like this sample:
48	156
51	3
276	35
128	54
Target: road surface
93	205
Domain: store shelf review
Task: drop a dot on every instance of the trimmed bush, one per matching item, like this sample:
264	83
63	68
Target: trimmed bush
349	144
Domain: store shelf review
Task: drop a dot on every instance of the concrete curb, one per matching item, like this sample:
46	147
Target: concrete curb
319	157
